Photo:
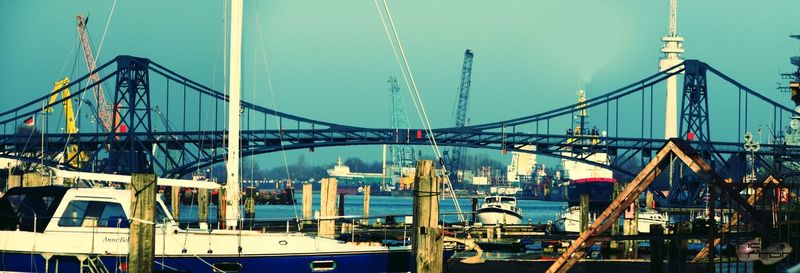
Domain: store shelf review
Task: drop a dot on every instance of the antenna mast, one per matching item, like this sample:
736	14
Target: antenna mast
673	48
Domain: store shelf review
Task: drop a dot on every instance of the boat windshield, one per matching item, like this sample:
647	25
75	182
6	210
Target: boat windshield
29	209
494	199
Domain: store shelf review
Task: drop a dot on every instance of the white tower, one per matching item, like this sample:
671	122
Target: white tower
673	48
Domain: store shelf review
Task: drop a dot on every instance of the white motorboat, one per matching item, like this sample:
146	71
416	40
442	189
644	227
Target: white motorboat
570	220
499	209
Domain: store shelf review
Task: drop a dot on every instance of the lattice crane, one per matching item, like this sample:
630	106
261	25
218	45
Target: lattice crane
402	155
458	154
103	109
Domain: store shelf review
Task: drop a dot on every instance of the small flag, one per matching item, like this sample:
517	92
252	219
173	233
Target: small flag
29	122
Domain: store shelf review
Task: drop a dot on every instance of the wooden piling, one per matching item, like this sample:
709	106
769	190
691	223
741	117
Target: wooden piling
678	249
202	207
222	203
613	244
250	207
631	227
35	180
427	242
584	210
142	230
307	202
656	247
365	220
327	207
615	226
474	208
175	202
340	207
649	200
14	181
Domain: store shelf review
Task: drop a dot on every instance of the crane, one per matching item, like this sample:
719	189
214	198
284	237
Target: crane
103	110
402	156
457	154
74	156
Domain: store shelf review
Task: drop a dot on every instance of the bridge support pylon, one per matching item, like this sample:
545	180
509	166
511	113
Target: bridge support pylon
131	131
694	124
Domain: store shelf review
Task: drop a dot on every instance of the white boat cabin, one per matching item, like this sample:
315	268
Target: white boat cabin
57	208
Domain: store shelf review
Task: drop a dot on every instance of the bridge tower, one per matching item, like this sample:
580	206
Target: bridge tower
458	154
673	48
694	112
131	131
694	127
402	155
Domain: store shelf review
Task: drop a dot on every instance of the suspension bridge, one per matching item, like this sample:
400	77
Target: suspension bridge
171	125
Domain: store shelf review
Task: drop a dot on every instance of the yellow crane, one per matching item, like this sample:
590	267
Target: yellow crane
73	156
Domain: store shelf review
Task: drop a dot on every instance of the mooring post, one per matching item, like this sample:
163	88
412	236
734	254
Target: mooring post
142	229
202	208
34	180
630	227
584	210
250	207
175	202
678	248
13	181
614	244
221	208
327	207
428	242
340	207
365	219
474	208
656	248
635	228
615	225
307	203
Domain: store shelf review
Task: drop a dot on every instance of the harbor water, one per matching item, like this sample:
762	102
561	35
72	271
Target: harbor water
533	211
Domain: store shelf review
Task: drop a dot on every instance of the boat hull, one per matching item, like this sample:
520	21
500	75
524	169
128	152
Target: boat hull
599	190
388	261
498	216
570	221
568	225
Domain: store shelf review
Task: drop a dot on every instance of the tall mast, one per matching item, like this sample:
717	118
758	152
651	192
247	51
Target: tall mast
235	84
673	18
673	48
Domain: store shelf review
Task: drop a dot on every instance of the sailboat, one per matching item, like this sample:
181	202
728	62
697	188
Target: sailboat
61	229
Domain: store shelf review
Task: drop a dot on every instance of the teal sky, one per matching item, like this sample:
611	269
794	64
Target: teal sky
329	60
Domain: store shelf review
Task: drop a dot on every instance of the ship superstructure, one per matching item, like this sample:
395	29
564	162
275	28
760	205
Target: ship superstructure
353	182
792	136
595	181
522	165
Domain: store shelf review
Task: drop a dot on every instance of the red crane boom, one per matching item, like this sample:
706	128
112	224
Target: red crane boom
103	109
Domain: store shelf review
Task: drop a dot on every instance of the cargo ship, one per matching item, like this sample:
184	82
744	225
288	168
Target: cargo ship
590	179
352	183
